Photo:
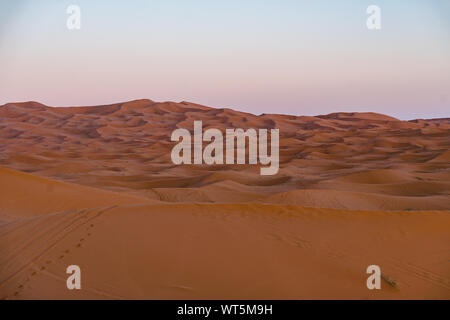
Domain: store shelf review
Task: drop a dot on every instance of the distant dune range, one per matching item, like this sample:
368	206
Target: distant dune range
95	186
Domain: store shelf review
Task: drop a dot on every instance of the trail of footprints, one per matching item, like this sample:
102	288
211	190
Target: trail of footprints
42	268
71	222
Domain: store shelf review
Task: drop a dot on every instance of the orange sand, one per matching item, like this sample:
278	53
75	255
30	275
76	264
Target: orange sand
95	187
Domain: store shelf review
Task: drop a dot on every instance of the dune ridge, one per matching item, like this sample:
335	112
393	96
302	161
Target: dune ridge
126	147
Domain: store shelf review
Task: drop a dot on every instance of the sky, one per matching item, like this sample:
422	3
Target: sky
298	57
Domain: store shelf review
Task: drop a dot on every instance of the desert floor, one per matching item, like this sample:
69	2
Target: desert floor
95	187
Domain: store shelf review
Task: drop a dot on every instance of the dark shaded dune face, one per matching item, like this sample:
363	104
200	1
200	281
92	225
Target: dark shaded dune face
126	147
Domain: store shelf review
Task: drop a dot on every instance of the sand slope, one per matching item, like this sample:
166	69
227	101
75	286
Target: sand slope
24	195
226	251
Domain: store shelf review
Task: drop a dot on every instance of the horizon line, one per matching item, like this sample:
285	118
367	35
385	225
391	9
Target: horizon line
218	108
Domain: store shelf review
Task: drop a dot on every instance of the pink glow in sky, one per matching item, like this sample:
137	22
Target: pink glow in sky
294	57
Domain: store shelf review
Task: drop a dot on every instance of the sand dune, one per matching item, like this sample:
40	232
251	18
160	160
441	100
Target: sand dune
95	186
358	200
125	147
239	251
24	195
